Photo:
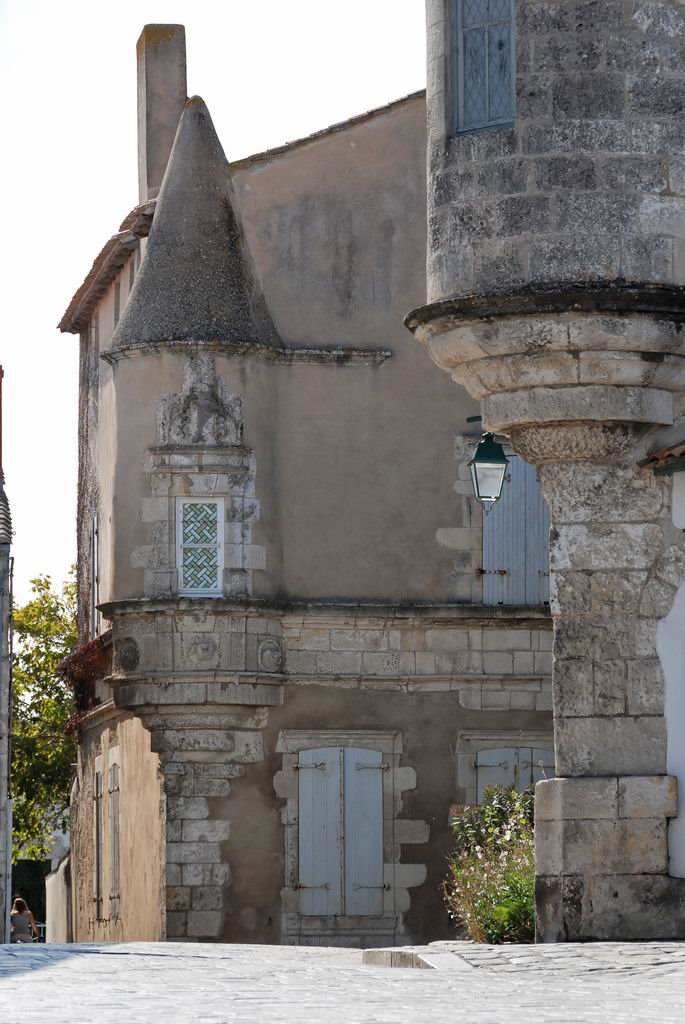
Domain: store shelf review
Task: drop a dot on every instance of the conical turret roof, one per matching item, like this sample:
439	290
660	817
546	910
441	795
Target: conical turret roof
197	281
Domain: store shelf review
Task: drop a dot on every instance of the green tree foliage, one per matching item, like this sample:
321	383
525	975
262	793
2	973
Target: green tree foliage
42	754
490	888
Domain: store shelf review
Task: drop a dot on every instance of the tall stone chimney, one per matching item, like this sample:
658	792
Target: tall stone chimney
161	51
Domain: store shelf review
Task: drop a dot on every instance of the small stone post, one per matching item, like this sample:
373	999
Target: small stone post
162	93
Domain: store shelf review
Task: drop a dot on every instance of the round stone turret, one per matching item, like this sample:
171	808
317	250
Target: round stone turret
557	239
555	296
586	183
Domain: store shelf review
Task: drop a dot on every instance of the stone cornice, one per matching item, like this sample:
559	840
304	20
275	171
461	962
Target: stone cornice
618	297
440	613
106	266
99	714
340	356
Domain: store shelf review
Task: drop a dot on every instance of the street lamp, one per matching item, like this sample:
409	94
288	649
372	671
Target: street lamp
488	466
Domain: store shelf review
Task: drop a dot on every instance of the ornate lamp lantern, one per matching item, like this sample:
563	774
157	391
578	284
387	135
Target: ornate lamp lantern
488	467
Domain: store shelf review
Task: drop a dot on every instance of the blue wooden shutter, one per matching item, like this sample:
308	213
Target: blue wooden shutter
484	54
363	791
543	764
114	847
520	767
320	830
516	541
498	767
99	845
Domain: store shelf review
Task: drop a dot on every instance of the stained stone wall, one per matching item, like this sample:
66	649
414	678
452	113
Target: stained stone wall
336	615
226	689
463	535
110	736
554	246
617	562
588	183
224	653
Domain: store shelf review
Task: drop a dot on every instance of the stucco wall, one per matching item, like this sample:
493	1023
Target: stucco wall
336	226
353	477
671	649
429	724
58	903
141	833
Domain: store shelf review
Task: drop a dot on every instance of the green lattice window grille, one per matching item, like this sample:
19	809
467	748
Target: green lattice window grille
200	547
485	59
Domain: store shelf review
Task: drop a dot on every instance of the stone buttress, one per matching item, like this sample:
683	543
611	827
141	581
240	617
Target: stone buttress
555	275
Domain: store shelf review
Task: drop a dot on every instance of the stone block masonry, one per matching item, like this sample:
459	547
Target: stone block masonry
555	266
207	705
615	567
587	184
196	869
220	653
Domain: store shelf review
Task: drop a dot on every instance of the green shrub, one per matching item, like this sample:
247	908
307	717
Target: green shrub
490	888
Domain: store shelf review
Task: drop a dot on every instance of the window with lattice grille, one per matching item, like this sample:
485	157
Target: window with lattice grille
484	56
200	546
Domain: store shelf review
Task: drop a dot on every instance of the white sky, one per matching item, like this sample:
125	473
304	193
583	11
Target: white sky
269	71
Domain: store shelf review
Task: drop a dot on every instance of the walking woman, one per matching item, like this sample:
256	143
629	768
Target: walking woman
23	926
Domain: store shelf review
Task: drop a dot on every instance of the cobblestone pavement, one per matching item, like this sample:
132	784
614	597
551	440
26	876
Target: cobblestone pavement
167	983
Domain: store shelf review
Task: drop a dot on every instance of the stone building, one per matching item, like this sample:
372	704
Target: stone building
556	206
5	682
299	646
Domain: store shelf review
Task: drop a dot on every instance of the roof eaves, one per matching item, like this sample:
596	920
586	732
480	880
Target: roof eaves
666	460
332	129
106	266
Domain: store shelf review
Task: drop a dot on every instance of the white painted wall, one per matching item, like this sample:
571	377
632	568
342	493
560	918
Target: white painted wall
671	650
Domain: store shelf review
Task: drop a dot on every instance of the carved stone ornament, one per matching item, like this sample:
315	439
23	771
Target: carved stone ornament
270	655
128	654
202	649
206	413
566	442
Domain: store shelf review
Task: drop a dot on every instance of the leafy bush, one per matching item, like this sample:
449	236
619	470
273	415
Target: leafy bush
42	755
490	888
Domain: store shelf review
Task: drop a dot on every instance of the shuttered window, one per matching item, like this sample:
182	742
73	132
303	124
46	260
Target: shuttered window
114	855
516	541
200	546
340	844
117	302
484	57
99	867
94	578
519	767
